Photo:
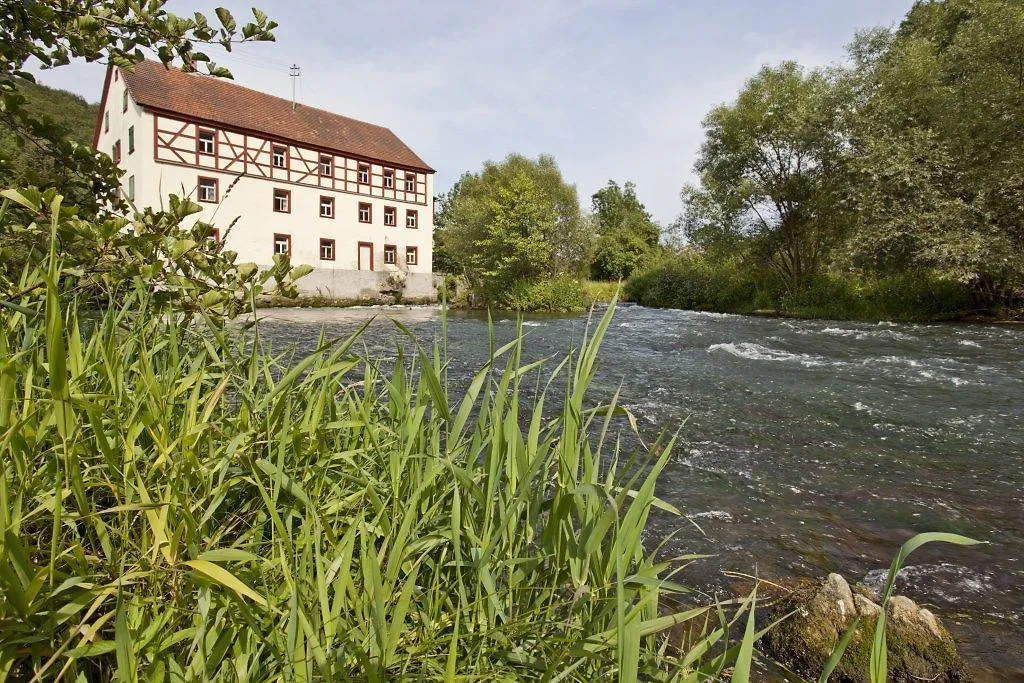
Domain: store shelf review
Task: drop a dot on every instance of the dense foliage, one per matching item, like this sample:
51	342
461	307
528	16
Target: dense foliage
25	163
509	228
901	169
627	236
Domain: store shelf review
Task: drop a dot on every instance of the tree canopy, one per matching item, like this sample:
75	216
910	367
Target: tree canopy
626	233
514	221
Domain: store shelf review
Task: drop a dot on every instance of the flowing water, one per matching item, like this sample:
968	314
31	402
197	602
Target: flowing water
807	446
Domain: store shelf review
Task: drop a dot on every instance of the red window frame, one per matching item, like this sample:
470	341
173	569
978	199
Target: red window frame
287	238
415	215
369	212
215	235
388	180
330	166
216	190
415	253
287	200
329	200
392	250
410	182
117	152
324	241
199	141
363	174
393	213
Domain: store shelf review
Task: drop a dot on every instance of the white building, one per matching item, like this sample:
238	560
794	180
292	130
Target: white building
344	196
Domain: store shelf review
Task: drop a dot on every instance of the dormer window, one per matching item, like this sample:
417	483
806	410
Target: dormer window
207	141
389	178
326	166
278	156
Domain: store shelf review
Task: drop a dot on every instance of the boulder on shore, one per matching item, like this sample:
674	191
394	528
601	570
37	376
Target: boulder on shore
919	648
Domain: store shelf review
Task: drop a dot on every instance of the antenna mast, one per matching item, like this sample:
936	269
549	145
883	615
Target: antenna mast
294	72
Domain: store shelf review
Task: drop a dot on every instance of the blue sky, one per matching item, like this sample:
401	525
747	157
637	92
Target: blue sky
614	89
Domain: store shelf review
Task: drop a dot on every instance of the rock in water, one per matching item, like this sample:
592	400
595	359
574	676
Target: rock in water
919	648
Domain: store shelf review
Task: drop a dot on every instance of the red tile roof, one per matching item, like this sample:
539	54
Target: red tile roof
216	100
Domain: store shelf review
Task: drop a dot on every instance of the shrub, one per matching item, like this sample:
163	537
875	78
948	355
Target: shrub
559	295
690	282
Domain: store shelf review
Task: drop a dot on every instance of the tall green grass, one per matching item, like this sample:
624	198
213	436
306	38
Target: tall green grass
176	503
179	504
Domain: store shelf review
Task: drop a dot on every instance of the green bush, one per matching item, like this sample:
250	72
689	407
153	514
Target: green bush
559	295
916	295
689	281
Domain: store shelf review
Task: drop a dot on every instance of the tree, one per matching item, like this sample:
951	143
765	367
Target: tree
515	221
939	181
115	31
626	232
772	161
103	254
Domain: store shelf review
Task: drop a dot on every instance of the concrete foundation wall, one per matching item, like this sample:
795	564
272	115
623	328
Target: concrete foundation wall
335	283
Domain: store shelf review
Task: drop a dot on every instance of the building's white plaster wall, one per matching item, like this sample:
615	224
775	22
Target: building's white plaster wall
246	220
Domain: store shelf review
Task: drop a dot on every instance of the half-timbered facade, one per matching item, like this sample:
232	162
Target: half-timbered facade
345	196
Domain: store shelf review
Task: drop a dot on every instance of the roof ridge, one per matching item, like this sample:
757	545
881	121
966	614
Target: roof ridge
170	89
233	82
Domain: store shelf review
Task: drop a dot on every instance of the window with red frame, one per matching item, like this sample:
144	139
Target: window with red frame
412	256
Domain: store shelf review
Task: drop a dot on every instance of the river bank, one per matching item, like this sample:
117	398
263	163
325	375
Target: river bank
807	446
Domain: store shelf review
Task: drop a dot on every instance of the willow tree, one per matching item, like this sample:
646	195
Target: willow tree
772	162
939	179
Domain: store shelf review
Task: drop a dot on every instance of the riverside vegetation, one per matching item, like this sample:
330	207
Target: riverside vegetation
178	502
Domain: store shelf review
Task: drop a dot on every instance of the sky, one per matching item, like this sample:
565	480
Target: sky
613	89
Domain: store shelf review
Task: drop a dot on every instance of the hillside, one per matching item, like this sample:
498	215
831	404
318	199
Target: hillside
27	165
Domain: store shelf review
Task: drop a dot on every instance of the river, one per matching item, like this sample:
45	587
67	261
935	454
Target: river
806	446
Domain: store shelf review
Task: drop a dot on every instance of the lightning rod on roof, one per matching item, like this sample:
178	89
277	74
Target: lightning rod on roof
294	72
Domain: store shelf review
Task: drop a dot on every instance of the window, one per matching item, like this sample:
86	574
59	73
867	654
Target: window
410	182
412	255
131	188
365	213
117	152
207	141
326	249
282	244
390	215
131	139
124	101
106	122
389	178
282	201
390	254
215	235
363	174
326	166
412	219
207	191
327	207
278	155
116	74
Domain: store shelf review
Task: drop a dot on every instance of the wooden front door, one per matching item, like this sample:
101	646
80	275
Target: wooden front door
365	259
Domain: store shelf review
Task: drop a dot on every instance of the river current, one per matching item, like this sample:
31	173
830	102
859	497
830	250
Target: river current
805	447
